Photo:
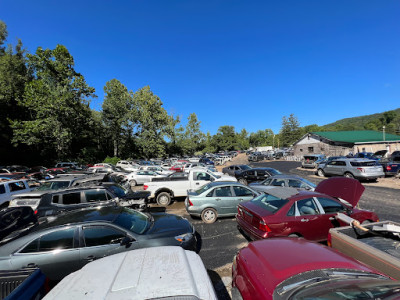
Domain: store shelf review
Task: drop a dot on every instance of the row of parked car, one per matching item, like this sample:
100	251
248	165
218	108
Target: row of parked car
269	204
360	166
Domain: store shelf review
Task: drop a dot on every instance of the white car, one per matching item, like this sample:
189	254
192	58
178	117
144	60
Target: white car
157	169
167	272
141	176
127	165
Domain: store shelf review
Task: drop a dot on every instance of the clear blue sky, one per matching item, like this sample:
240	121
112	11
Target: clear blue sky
240	63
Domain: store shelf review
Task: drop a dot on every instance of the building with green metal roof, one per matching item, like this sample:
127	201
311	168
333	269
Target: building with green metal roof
345	142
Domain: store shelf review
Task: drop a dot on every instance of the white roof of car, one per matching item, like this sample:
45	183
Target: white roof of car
147	273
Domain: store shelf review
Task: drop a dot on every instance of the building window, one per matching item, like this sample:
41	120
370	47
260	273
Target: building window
310	149
301	150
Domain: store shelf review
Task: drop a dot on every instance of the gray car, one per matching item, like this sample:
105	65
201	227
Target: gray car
230	170
359	168
66	244
217	199
293	181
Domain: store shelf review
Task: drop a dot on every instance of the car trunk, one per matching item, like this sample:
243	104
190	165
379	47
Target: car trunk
252	214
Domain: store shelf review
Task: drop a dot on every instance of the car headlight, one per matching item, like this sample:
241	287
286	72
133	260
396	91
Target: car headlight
183	238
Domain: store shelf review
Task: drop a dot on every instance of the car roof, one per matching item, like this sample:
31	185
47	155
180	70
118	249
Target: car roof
219	183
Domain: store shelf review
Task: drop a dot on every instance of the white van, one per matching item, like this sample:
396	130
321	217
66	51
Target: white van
148	273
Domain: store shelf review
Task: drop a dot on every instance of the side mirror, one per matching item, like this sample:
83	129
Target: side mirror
126	241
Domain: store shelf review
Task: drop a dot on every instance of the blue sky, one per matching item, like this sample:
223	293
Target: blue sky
240	63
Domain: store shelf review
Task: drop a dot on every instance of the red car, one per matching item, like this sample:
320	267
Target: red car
288	212
292	268
177	168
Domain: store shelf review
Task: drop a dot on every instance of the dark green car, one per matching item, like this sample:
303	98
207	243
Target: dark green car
71	241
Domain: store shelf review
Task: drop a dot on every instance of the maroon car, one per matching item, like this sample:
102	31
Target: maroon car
292	268
288	212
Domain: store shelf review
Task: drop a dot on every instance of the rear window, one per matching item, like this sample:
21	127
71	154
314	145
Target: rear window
203	189
269	202
274	172
363	163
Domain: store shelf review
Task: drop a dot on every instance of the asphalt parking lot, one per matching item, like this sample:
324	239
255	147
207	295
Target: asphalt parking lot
219	242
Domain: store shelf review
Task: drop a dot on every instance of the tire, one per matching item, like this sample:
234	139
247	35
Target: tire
320	173
163	199
348	175
209	215
132	183
243	181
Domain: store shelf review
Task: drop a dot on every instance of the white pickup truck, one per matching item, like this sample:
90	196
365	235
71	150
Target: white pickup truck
164	189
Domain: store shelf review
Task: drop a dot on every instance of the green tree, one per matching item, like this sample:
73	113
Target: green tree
290	131
57	101
153	123
243	139
193	137
3	36
225	139
118	113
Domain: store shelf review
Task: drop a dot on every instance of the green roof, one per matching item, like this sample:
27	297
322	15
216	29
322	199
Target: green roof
357	136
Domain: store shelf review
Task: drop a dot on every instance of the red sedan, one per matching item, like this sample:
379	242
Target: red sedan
288	212
292	268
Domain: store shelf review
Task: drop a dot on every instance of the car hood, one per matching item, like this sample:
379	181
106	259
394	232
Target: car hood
348	189
168	225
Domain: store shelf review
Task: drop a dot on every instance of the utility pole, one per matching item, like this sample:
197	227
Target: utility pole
383	131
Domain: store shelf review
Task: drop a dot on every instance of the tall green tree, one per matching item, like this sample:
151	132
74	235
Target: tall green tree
153	123
225	139
58	103
118	113
193	137
290	131
242	139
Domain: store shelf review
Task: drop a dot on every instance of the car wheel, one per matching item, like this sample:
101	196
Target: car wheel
348	175
321	173
163	199
133	183
243	181
209	215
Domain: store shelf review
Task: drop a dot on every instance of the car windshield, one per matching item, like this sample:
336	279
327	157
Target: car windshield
274	172
53	185
269	202
308	182
118	190
133	220
353	289
203	189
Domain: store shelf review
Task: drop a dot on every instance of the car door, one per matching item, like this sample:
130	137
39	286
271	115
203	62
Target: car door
98	241
225	200
332	168
56	253
200	179
250	175
242	194
308	221
329	209
261	175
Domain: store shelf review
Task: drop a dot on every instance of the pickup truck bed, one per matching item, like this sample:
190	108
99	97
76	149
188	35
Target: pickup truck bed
159	179
381	252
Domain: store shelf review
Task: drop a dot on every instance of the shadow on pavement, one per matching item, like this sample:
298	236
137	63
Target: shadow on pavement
219	285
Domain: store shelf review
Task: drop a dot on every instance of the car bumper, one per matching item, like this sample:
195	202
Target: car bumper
250	231
370	176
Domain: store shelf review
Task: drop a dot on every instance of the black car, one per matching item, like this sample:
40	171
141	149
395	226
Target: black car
53	202
67	243
256	174
206	161
231	170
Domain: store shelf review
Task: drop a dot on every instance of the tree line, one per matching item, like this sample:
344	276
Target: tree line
45	116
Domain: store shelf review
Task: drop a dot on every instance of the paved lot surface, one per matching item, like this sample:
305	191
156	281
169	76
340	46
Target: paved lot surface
220	241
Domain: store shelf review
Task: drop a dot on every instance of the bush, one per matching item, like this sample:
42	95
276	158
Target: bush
111	160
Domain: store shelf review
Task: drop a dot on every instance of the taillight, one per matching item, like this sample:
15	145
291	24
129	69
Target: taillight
190	202
263	226
35	212
388	167
240	211
329	240
145	187
361	169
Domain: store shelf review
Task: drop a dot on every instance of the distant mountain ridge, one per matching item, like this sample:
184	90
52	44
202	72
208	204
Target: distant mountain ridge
359	123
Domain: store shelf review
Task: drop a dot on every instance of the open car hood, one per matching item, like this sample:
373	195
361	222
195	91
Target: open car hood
348	189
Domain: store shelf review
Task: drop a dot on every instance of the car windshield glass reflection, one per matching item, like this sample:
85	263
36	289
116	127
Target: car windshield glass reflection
132	220
353	289
269	202
274	172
